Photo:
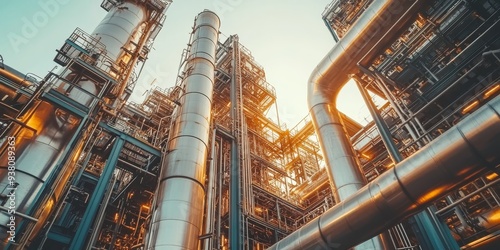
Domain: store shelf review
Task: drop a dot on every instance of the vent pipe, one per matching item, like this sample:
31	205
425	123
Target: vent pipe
178	217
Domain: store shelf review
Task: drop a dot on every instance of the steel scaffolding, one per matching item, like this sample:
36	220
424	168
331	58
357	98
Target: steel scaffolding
92	164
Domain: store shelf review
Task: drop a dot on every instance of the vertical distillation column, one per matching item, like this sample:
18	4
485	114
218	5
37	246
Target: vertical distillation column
40	156
124	31
178	216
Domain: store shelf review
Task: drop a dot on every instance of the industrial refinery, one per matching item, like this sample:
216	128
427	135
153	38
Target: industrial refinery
204	164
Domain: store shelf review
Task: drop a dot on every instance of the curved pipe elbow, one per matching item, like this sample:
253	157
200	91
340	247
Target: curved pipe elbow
456	157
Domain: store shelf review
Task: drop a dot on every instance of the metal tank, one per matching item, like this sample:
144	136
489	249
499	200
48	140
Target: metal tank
326	82
177	220
41	147
120	29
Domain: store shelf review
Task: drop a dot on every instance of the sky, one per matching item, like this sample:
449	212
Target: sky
287	37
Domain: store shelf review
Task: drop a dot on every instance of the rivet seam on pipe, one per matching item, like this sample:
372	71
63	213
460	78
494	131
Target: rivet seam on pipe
192	57
493	109
183	177
403	188
317	104
179	136
199	74
203	25
196	92
331	123
26	173
476	152
323	238
112	24
348	184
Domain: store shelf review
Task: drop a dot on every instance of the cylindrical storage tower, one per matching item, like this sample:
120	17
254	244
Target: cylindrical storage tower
40	146
119	27
120	32
31	159
178	218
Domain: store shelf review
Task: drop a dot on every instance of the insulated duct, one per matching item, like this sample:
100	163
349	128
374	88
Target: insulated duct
459	155
178	216
329	77
396	194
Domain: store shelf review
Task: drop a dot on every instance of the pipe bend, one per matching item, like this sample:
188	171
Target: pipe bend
381	21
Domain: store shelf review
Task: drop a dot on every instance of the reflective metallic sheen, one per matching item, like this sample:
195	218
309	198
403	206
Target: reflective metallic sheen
330	76
38	154
15	78
456	157
178	217
120	28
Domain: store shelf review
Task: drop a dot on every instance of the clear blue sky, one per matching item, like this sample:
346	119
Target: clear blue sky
287	37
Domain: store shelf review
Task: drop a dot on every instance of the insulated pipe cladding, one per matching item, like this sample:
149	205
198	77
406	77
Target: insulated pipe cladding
396	194
330	76
120	29
36	155
177	220
459	155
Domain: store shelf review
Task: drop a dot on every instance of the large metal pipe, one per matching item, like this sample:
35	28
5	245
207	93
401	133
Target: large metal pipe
209	217
331	75
422	220
235	209
459	155
179	214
